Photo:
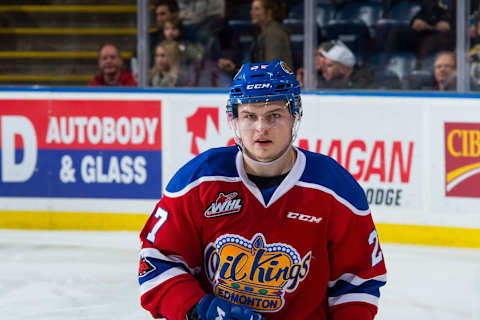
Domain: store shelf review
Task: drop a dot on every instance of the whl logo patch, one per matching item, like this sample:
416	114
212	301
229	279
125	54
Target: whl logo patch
223	205
145	267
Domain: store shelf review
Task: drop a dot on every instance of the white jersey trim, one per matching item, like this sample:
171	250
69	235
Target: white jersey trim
353	297
161	278
155	253
197	182
356	280
336	196
288	183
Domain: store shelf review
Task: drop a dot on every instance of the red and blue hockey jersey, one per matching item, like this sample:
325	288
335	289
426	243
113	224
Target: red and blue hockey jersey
311	252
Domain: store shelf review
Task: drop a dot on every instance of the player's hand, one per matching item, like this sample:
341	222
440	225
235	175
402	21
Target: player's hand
214	308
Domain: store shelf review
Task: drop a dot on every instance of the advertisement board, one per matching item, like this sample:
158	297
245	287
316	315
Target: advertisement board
373	144
93	160
80	149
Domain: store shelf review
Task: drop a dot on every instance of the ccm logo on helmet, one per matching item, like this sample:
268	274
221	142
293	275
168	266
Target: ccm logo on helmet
258	86
303	217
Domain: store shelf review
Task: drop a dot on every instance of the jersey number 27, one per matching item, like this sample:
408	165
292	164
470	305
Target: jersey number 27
161	215
377	255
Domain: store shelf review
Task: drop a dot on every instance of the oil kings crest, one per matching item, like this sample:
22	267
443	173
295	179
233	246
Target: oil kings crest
253	272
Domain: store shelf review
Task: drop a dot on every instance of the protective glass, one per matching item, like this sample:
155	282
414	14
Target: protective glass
263	115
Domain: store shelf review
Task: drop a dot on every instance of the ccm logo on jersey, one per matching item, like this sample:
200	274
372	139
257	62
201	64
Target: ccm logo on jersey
258	86
303	217
223	205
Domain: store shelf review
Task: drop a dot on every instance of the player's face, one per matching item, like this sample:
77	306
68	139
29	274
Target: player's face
109	60
265	129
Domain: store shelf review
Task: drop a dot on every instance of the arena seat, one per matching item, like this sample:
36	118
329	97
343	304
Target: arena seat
399	63
294	21
420	80
241	22
367	11
354	33
404	11
399	17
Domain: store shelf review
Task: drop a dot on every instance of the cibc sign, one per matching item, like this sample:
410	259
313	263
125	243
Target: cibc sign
462	159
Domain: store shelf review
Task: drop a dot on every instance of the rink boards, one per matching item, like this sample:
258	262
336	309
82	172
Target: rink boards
98	160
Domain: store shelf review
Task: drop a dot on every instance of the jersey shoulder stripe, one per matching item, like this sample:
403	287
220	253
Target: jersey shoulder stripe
216	162
324	171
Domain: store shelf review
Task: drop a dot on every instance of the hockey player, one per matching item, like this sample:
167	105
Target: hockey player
262	230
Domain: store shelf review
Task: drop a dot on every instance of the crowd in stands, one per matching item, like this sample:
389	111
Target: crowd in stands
363	44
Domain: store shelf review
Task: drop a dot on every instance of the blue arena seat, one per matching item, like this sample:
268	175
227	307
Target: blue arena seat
399	17
324	12
367	11
354	33
420	80
294	21
244	46
404	11
399	63
241	22
296	42
387	80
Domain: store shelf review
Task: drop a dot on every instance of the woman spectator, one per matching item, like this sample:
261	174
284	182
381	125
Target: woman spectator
167	70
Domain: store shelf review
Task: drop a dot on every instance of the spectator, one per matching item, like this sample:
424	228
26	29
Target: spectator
204	72
431	30
319	65
339	69
474	30
192	52
111	73
445	76
167	70
164	10
474	57
273	41
203	19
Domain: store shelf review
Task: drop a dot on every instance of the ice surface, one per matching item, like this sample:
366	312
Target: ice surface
92	275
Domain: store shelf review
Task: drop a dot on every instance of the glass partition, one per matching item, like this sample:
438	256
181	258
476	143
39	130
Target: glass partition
55	42
331	45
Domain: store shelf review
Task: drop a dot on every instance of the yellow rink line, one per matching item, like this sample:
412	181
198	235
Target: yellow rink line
388	233
55	54
27	78
49	220
69	8
71	31
429	235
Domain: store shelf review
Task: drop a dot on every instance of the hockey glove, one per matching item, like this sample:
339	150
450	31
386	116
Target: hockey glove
214	308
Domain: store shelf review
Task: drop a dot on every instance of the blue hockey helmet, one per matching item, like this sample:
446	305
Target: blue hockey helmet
265	81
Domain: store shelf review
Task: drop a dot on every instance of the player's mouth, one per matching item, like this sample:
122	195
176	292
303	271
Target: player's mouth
263	142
